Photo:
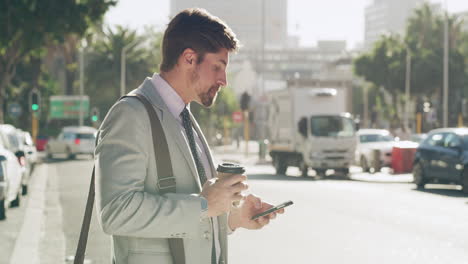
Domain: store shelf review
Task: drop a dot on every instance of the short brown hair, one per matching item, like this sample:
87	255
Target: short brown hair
196	29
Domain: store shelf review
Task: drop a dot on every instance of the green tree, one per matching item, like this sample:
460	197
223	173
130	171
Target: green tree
385	65
27	25
103	64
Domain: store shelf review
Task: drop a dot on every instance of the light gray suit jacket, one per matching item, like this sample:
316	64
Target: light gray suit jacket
129	206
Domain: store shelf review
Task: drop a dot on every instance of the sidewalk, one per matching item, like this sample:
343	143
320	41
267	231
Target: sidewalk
235	154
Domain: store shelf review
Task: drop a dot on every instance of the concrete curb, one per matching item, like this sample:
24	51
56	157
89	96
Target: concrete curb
26	248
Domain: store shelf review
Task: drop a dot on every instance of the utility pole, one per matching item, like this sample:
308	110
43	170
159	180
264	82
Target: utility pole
366	106
446	68
123	66
81	115
407	88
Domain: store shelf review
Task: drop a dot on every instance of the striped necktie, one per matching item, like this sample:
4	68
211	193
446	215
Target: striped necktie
187	123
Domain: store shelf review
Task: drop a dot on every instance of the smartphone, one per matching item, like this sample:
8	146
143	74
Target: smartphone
271	210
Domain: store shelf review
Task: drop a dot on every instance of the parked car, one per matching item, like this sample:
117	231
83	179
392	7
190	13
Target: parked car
29	149
11	174
442	158
41	142
370	140
11	141
71	141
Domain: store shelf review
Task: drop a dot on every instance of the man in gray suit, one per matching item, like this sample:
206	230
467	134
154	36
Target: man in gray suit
131	208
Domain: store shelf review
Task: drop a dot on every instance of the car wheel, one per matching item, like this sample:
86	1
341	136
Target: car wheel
16	202
70	155
2	210
280	166
48	153
24	189
364	164
464	182
418	176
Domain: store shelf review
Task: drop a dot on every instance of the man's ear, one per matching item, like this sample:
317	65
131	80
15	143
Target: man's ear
188	57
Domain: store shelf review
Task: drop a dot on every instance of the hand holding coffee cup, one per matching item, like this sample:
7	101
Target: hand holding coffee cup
227	169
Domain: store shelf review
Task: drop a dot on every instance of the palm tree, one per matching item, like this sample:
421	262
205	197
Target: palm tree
103	65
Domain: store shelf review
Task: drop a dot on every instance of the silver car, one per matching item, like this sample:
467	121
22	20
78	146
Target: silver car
72	141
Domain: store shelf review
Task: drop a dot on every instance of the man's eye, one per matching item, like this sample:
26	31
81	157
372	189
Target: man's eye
217	68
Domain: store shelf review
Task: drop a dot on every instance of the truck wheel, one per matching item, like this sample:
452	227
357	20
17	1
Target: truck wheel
321	173
304	170
280	166
2	210
464	181
418	176
364	164
344	172
24	189
16	202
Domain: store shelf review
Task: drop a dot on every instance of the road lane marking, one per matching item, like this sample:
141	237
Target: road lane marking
53	243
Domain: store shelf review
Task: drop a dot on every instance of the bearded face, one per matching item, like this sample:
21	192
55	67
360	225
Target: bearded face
207	93
209	76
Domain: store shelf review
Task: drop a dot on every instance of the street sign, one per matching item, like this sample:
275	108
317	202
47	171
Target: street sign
14	109
68	106
237	117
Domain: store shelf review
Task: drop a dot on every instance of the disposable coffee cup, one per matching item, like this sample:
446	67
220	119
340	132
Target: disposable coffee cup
226	169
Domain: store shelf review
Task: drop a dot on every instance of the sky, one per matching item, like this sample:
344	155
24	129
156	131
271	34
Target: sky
311	20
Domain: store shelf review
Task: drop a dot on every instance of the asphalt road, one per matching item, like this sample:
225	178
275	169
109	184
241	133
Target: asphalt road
368	219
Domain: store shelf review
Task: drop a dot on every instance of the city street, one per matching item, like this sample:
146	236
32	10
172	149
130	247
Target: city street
371	218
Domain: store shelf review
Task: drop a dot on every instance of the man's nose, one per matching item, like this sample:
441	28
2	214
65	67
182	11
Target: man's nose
223	80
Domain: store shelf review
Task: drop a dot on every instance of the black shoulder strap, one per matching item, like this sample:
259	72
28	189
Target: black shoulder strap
166	184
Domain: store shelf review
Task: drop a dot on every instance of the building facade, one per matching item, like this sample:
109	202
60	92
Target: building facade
386	17
245	19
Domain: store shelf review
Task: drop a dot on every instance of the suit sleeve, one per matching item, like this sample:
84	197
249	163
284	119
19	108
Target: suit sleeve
124	208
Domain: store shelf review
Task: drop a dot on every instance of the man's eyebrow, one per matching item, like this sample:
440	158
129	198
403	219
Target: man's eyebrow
223	61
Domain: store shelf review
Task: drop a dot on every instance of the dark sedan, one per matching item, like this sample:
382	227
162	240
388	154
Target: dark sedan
443	158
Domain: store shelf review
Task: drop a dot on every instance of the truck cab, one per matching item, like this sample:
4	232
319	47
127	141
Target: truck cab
310	128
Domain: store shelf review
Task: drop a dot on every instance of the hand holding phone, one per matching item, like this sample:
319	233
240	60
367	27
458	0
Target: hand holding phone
271	210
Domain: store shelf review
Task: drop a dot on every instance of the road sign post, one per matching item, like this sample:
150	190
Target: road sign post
237	117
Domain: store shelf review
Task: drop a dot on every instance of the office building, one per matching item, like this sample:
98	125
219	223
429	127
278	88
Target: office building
386	17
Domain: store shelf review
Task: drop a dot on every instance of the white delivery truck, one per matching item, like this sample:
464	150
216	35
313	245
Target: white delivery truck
310	128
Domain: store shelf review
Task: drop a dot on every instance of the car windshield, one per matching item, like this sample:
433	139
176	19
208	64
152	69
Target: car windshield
332	126
374	138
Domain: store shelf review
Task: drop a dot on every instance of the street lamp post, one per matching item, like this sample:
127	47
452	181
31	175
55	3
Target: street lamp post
123	66
81	60
446	68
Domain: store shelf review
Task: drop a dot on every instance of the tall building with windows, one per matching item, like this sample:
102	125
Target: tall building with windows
245	19
387	16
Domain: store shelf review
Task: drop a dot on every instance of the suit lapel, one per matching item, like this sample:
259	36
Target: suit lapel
169	121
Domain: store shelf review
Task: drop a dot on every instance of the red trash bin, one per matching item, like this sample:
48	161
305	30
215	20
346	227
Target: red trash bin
403	156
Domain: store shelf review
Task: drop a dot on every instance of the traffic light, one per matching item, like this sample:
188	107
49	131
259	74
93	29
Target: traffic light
94	114
245	101
34	100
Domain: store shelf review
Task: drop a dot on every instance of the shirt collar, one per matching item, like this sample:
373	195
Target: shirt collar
173	101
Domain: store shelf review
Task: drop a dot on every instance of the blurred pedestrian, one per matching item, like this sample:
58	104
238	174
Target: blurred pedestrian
131	207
